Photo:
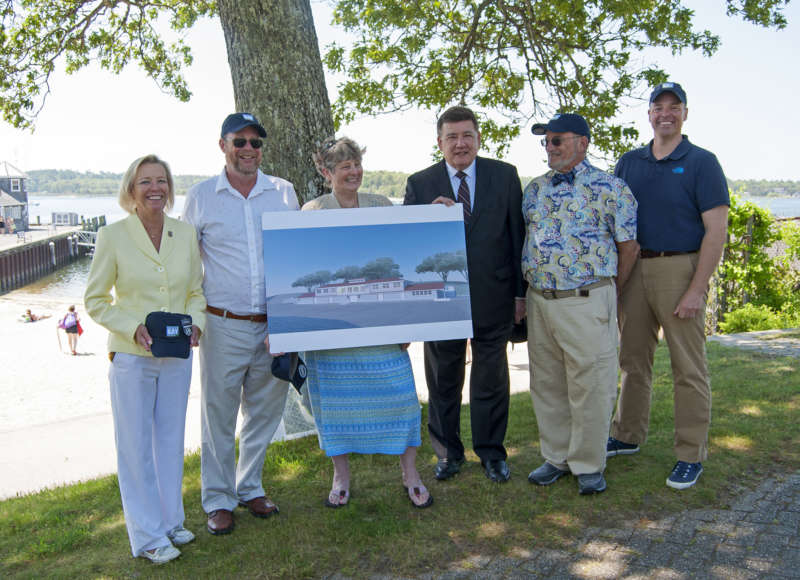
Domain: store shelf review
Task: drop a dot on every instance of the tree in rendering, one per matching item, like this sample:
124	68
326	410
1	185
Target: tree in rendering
443	263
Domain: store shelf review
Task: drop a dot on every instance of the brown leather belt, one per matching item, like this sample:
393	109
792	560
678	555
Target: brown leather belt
653	254
229	314
582	291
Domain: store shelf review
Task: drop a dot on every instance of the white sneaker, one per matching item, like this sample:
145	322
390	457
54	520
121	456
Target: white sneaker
180	536
161	555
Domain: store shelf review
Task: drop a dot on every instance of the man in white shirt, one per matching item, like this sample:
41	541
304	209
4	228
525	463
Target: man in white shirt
226	212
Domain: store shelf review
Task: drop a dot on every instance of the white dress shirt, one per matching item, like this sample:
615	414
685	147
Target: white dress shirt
455	182
229	232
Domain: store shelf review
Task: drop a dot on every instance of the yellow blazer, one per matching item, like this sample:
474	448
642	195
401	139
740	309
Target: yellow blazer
144	280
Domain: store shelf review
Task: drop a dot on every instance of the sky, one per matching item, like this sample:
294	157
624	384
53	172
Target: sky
97	121
408	244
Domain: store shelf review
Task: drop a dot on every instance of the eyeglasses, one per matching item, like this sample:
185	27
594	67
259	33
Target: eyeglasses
240	142
557	141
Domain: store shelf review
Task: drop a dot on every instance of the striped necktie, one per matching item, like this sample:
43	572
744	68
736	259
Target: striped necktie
463	196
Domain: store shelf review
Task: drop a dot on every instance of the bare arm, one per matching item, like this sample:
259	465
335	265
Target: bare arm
715	221
627	253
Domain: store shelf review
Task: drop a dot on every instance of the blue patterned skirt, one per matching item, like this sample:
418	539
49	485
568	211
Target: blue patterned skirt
363	399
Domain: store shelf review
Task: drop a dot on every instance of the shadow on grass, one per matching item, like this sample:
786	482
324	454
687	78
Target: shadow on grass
79	530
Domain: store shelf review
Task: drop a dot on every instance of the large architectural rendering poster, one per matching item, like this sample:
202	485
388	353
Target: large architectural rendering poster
358	277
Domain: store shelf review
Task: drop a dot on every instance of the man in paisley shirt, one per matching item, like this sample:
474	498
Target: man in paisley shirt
580	246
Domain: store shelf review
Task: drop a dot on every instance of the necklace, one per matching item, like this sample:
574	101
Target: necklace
343	206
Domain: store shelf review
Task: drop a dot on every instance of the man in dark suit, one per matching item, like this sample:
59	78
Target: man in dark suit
491	195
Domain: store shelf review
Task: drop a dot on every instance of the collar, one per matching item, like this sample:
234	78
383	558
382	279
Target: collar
680	151
584	165
263	183
470	170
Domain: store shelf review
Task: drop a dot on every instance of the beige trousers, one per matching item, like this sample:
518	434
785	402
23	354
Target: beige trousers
647	302
572	347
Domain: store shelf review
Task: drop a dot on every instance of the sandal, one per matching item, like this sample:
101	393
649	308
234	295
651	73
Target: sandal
415	495
337	499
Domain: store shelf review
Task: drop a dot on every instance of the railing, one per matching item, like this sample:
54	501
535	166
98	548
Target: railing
28	262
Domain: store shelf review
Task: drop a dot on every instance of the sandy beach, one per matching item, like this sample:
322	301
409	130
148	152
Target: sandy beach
56	427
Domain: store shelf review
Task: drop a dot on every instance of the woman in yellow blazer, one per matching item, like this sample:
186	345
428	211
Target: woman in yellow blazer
153	264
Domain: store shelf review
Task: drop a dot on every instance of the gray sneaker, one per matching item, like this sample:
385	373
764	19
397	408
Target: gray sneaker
546	474
161	555
617	447
180	536
589	483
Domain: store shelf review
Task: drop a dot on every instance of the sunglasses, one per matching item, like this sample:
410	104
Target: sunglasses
240	142
557	141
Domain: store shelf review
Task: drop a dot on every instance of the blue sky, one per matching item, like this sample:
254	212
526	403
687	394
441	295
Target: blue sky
286	251
741	107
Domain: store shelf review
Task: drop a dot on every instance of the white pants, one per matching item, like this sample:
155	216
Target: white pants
236	369
148	401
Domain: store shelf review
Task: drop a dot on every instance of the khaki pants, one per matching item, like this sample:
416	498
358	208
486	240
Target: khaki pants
650	296
572	347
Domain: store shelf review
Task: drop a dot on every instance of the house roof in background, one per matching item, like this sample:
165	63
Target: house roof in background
8	170
6	199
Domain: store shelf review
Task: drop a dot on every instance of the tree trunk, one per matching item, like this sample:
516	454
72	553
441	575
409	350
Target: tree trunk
277	75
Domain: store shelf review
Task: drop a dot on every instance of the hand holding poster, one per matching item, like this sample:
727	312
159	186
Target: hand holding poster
367	276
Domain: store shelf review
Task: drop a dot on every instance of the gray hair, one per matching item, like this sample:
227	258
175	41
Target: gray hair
125	198
333	151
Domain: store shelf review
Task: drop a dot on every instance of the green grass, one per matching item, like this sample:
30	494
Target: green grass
78	531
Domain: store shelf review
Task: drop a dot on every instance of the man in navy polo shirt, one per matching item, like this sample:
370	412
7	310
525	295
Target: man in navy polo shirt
682	224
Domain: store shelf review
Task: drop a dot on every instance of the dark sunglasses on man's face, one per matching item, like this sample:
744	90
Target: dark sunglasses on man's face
557	141
240	142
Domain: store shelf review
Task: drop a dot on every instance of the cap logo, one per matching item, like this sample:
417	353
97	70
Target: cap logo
248	117
667	85
171	331
555	117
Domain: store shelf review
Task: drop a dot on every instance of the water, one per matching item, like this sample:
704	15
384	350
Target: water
44	206
68	284
779	206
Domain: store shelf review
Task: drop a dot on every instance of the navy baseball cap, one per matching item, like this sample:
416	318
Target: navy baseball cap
673	88
238	121
291	368
563	123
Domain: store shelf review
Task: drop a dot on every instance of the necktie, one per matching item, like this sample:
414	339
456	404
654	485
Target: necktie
569	177
463	195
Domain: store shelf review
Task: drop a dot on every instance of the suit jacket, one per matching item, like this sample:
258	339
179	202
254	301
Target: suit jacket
494	236
143	280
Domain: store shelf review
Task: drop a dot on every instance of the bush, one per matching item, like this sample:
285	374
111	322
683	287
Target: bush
759	317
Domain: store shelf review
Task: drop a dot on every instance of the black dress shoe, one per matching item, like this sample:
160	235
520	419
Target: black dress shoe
497	470
447	468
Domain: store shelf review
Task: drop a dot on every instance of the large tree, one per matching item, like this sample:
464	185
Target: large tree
272	52
517	60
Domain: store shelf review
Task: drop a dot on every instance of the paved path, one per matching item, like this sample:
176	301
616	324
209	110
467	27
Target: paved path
757	538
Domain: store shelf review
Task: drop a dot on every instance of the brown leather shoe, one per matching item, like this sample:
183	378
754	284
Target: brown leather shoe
260	507
220	522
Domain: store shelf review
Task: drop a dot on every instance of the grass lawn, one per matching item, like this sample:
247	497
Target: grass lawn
78	531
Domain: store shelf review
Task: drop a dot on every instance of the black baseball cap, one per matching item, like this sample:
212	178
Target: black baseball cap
238	121
673	88
563	123
291	368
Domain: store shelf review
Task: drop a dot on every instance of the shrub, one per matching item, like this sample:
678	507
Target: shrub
750	317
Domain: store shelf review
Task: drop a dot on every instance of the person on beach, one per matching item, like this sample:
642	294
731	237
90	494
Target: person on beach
152	263
579	250
236	368
31	317
351	408
72	326
683	223
490	193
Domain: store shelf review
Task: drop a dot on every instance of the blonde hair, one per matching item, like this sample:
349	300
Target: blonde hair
125	198
333	151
